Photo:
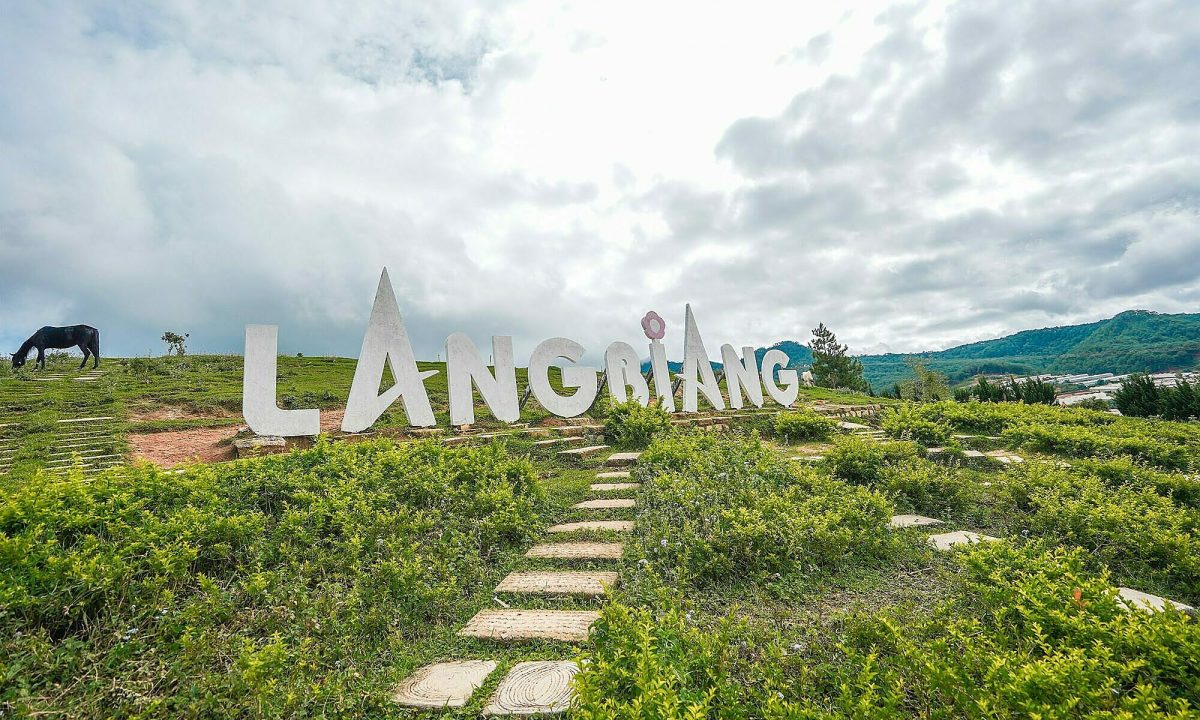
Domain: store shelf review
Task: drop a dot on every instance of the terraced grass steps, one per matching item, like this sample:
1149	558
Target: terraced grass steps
524	625
946	541
613	475
593	525
605	504
565	582
577	551
558	441
611	487
443	685
534	687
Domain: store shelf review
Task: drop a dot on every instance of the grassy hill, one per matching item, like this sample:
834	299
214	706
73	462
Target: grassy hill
1132	341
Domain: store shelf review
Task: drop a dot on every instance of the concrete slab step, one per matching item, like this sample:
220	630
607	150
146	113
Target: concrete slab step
605	504
565	582
613	475
535	687
945	541
443	685
622	459
582	452
609	525
912	521
611	487
519	625
577	551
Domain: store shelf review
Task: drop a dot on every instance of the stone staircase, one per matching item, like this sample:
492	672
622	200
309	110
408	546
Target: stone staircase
540	687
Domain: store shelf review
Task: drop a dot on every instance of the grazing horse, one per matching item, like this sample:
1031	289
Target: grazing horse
85	337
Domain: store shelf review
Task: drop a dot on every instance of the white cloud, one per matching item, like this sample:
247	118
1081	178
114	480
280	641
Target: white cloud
536	168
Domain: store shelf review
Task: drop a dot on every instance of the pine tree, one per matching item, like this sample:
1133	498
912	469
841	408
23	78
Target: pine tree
832	367
1138	396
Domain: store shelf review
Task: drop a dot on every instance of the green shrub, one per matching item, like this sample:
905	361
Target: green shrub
1142	537
715	509
630	425
924	487
1183	489
860	461
904	423
803	424
278	587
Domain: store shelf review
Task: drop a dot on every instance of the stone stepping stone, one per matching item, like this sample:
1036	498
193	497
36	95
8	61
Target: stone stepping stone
517	625
577	551
1136	599
535	687
558	441
605	504
612	525
807	458
911	521
87	419
558	583
583	452
443	685
572	430
613	475
622	459
847	425
945	541
973	454
609	487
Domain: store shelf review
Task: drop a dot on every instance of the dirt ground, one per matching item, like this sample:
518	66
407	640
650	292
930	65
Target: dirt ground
206	445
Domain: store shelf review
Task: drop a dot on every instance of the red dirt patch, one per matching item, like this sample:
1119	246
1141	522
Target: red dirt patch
175	412
206	445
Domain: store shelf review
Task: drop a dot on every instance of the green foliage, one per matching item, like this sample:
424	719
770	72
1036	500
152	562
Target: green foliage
1141	536
660	666
1181	402
831	366
629	425
1138	396
925	386
1030	390
716	508
962	394
924	487
1093	403
905	423
803	424
861	461
279	587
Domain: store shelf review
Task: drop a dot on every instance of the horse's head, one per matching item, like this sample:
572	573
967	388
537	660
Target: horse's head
17	361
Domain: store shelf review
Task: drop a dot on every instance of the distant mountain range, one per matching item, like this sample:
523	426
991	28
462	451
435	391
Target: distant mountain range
1133	341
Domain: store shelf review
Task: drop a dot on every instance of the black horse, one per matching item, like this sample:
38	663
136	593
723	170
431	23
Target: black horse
85	337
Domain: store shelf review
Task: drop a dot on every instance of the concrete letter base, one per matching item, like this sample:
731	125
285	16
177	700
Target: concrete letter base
517	625
441	685
558	583
534	688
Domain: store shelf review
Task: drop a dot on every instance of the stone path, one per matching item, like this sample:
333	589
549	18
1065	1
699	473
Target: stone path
536	687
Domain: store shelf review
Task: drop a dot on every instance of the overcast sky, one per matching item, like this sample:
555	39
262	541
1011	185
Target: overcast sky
913	176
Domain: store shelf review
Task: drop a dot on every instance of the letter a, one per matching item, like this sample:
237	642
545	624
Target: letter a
386	340
697	370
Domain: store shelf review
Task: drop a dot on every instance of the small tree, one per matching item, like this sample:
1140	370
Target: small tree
175	343
832	367
1181	402
1033	391
926	386
1138	396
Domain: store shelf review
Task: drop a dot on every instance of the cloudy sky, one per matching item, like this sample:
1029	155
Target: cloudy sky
915	176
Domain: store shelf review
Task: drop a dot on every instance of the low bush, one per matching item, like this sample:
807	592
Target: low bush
1142	537
803	424
860	461
904	423
924	487
630	425
286	586
717	508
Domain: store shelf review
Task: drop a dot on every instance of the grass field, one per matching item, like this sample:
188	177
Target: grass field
762	578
